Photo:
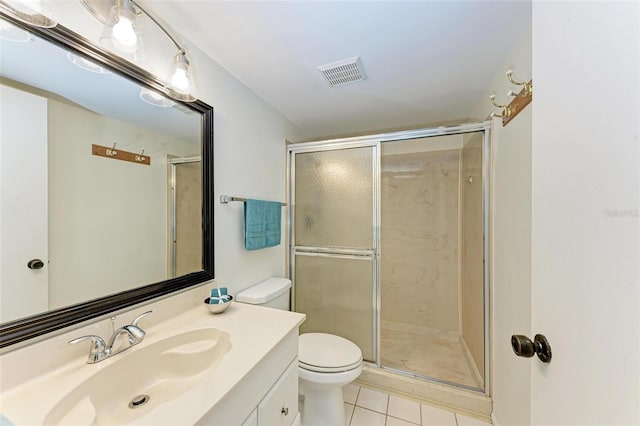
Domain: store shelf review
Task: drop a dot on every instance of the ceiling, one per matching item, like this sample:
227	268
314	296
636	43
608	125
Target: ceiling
427	62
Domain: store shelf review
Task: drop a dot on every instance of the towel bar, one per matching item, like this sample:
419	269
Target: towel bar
224	199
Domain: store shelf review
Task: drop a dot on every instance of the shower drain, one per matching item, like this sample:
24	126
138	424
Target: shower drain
139	401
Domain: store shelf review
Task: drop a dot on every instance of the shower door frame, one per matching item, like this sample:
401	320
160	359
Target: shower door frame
173	208
373	254
376	141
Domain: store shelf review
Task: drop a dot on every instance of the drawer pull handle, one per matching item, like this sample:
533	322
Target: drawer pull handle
285	411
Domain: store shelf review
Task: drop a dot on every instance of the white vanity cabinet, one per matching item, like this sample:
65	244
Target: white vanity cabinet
279	407
268	394
254	383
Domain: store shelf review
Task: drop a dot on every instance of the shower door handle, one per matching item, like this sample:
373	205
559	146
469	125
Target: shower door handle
525	347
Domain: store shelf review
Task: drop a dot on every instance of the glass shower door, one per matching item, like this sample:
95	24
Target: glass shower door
334	242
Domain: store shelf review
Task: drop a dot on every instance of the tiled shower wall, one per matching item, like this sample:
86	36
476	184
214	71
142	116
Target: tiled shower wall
419	244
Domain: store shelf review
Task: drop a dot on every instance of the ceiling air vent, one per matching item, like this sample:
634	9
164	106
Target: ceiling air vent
343	72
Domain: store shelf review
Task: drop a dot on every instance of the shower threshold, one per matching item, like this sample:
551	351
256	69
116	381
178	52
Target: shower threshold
451	397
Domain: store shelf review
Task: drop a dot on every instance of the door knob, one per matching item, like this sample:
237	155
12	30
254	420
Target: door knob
35	264
524	347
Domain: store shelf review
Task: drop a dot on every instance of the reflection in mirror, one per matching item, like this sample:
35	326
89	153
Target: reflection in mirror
100	225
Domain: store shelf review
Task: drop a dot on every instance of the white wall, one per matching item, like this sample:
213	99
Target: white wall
511	241
586	202
249	148
107	218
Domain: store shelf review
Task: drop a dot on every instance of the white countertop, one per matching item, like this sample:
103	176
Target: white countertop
254	331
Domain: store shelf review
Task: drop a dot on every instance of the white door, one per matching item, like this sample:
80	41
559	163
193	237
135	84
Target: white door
585	212
23	203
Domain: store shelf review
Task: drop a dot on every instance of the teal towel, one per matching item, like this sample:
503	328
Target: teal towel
261	224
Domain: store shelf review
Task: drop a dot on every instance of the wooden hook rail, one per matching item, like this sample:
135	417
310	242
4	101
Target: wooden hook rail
118	154
520	100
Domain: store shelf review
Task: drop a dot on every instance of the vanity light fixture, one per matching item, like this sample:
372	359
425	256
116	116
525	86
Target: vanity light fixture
121	33
180	85
32	12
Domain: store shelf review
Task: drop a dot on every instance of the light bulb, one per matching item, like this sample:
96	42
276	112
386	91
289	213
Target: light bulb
179	84
124	35
180	81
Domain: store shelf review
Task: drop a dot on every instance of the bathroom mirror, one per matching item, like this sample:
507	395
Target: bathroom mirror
105	199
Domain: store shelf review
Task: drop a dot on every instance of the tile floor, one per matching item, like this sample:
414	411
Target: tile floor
369	407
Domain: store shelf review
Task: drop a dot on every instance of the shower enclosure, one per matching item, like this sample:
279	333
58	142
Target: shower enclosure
388	249
185	218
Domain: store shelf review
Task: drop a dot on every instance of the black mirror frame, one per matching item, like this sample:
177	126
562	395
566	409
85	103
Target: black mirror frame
37	325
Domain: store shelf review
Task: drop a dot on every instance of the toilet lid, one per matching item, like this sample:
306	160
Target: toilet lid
327	353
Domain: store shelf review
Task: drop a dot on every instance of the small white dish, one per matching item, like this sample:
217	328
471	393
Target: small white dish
217	308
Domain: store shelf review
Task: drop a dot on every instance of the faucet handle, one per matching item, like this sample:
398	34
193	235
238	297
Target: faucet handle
139	317
136	334
98	350
97	344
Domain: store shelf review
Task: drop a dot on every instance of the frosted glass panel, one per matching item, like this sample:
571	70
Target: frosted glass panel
336	294
334	198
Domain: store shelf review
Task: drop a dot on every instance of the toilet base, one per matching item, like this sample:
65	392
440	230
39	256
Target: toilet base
323	408
323	400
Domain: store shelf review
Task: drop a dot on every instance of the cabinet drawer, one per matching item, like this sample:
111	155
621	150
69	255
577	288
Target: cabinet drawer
279	407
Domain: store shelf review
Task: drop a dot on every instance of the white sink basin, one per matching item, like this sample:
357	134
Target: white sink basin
160	371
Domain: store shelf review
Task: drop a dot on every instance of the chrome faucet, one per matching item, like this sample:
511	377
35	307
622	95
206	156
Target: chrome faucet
100	351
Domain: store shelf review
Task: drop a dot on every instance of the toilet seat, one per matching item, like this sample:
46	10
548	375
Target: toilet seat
327	353
319	369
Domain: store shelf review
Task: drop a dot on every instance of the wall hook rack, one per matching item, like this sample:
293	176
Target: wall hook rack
141	158
506	111
519	102
528	86
104	151
110	152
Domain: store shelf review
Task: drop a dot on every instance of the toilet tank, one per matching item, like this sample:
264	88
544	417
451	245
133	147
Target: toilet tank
272	293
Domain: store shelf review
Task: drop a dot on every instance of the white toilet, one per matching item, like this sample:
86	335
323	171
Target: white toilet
325	362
